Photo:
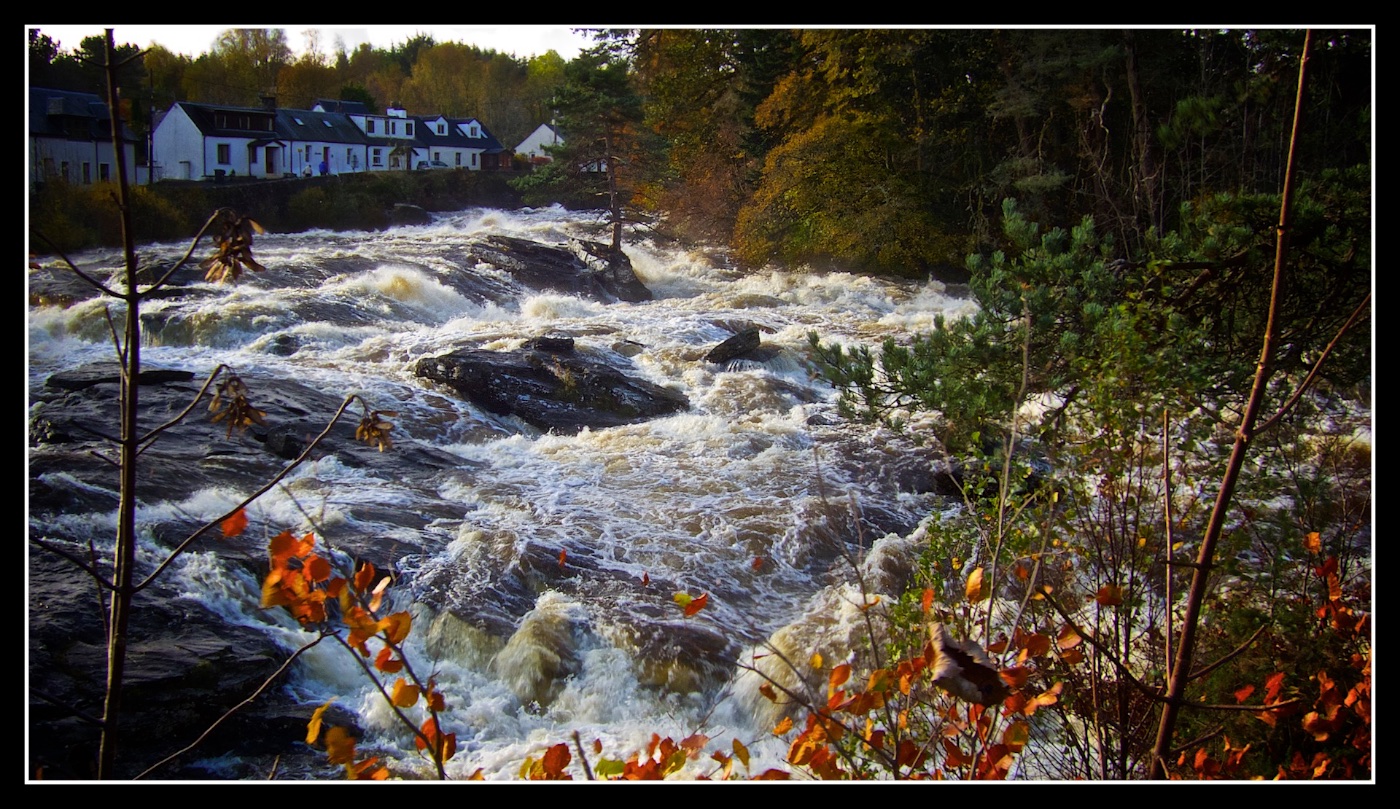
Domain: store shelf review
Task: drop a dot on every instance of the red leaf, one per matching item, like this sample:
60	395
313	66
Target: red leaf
696	604
235	524
758	563
1242	694
646	579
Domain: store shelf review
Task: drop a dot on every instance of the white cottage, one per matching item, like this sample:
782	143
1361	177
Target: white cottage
207	141
533	145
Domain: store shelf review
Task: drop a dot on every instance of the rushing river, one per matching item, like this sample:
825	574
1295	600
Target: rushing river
543	569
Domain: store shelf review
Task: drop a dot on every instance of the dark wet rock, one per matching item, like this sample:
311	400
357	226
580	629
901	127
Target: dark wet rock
405	214
586	269
109	372
740	345
560	392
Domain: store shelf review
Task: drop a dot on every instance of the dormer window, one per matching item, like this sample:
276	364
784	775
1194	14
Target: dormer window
369	125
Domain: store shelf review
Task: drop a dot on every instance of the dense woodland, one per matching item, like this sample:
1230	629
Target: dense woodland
1114	199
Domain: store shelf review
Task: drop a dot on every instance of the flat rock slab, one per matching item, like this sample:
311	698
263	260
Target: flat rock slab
560	392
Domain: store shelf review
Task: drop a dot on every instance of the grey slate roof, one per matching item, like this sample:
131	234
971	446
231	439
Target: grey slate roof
73	115
334	127
454	137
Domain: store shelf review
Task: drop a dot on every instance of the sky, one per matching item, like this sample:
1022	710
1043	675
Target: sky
522	41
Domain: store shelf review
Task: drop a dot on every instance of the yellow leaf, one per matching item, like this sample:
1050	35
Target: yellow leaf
816	660
742	753
974	586
783	726
682	599
313	728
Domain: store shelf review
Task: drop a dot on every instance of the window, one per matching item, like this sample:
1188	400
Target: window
473	159
87	174
459	159
441	128
393	127
437	156
299	122
349	155
221	153
376	157
63	170
104	172
369	125
475	132
408	128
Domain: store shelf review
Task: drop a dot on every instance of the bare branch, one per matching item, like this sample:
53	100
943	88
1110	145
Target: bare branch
179	549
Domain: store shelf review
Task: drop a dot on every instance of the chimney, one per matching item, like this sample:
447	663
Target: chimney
269	103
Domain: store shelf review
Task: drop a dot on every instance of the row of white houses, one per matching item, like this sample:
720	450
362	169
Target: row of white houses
70	139
208	141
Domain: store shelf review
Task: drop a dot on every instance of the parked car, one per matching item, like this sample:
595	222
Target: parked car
433	164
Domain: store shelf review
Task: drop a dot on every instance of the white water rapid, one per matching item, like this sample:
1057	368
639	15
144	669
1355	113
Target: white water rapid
747	496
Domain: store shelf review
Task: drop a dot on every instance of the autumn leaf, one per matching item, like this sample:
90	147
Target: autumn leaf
767	690
386	662
697	604
563	556
1313	542
783	726
340	746
398	627
757	563
313	727
1242	694
646	579
682	599
235	524
742	753
974	586
405	694
1109	595
928	600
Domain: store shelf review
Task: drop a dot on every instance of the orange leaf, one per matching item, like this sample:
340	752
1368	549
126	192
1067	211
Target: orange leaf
563	555
405	694
783	726
1313	542
318	569
1109	595
839	675
928	600
757	563
646	578
767	690
386	663
974	586
234	525
1015	676
340	746
1242	694
398	626
364	576
697	604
